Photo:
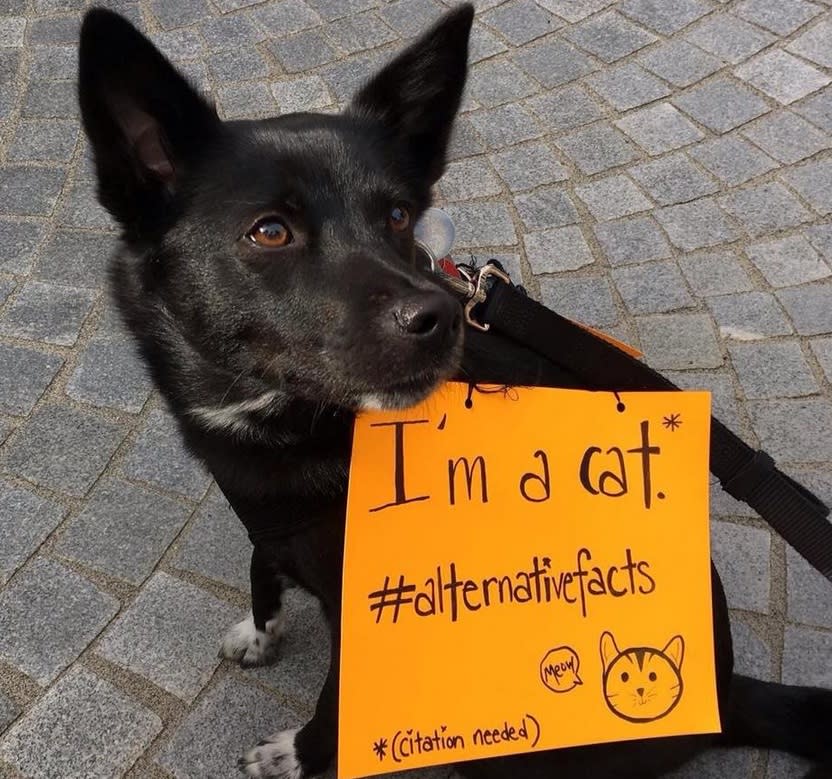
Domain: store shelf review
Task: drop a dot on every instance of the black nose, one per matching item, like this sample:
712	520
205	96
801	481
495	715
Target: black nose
640	692
428	315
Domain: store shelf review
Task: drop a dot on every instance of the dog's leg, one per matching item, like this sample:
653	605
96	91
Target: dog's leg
304	753
254	640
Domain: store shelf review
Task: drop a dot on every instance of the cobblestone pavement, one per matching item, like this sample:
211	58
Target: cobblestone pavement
659	168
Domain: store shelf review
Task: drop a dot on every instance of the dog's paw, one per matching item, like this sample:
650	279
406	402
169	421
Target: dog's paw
274	757
248	646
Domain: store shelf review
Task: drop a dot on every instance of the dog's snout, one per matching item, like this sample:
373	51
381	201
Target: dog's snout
427	316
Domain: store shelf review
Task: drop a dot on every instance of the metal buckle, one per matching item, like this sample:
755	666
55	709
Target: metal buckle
478	284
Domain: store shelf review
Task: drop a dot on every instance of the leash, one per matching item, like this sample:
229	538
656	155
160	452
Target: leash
493	303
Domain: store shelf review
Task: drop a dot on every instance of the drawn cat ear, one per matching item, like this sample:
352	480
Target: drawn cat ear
675	650
609	651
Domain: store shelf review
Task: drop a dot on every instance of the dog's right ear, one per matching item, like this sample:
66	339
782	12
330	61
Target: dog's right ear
143	119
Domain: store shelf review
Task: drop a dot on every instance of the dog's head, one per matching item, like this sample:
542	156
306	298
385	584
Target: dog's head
281	250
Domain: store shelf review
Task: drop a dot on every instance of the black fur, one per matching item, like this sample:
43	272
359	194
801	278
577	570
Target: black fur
264	355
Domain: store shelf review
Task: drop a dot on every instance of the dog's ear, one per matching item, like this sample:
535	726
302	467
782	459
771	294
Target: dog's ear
143	119
417	95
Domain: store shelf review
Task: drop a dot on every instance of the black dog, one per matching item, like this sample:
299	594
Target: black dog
268	272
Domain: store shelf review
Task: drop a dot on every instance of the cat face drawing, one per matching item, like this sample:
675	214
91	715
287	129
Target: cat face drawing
642	684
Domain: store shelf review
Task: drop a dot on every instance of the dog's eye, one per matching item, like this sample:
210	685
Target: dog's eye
399	218
270	233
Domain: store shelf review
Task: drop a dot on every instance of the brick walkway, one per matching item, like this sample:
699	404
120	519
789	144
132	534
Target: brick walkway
659	168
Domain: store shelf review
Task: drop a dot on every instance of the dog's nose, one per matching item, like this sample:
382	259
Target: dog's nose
429	315
640	692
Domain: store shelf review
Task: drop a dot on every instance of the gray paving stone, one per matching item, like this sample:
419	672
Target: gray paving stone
123	530
587	299
822	348
609	36
696	225
230	32
679	63
29	191
557	249
464	140
226	6
654	288
814	183
53	62
12	30
216	545
496	82
765	208
303	51
715	273
780	18
612	197
252	100
814	44
468	179
243	64
596	148
230	718
820	236
528	165
181	13
46	312
286	17
410	17
728	37
673	179
806	657
782	76
679	341
724	403
505	125
76	257
483	44
43	141
575	10
82	209
786	137
784	766
42	648
788	261
721	104
25	521
18	241
628	86
817	109
338	9
83	726
742	557
345	76
566	108
357	33
809	593
159	457
810	307
553	62
50	100
63	449
183	44
772	369
24	376
482	224
747	316
717	763
659	128
306	93
7	286
732	159
547	207
794	431
632	240
664	16
521	21
9	711
752	655
169	635
56	29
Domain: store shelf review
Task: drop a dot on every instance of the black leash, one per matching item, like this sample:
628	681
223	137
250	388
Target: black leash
747	474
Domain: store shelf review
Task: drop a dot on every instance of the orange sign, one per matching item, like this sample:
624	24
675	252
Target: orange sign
525	570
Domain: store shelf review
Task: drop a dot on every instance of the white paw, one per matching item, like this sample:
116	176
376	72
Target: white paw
274	758
248	646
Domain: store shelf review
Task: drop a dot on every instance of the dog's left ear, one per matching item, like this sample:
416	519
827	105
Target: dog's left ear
417	95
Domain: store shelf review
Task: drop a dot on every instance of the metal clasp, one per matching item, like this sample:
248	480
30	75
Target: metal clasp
478	286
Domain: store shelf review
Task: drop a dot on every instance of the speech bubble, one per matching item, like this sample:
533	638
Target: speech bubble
559	669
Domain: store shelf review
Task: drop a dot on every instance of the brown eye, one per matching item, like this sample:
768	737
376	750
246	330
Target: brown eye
399	218
270	233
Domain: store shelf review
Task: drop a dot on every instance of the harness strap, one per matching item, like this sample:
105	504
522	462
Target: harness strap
746	474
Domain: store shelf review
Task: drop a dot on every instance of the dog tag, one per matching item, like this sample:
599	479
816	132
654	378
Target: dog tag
525	569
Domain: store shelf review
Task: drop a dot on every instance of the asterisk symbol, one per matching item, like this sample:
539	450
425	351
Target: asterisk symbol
380	748
672	422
